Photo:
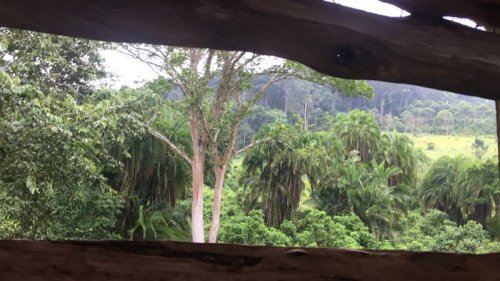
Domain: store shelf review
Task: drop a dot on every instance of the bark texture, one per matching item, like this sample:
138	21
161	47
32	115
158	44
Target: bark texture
197	183
154	261
422	49
220	174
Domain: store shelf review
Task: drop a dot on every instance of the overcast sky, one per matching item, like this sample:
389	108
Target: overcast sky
128	71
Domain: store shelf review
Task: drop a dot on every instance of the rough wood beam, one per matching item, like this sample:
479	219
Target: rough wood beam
329	38
155	261
483	11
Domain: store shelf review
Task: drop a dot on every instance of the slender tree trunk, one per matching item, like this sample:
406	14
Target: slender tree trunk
197	230
497	205
287	90
390	103
382	104
197	168
306	124
220	175
497	105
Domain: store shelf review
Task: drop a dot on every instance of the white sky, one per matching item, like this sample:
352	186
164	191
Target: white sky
374	6
126	70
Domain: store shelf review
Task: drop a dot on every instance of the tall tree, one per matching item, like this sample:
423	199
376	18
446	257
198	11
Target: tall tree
274	170
438	189
478	192
445	120
371	198
153	175
217	91
397	150
213	84
359	131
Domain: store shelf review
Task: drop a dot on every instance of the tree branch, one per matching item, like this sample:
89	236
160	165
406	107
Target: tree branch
251	145
153	66
163	138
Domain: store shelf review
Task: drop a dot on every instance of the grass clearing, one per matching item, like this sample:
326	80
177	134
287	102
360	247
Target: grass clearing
453	145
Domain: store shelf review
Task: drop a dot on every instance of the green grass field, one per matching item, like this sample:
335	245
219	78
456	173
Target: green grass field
444	145
453	145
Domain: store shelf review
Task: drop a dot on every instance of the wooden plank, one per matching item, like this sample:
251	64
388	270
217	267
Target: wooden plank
332	39
145	261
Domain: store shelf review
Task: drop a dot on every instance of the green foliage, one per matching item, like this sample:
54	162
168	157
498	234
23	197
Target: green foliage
375	202
434	232
313	229
162	223
274	170
462	188
317	229
358	131
50	61
76	162
352	88
152	173
397	150
251	230
51	150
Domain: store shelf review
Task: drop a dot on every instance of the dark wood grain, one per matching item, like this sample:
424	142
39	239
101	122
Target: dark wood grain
148	261
330	38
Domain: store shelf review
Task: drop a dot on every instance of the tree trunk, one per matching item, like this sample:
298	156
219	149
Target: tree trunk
197	168
287	90
382	105
220	175
497	105
306	125
197	230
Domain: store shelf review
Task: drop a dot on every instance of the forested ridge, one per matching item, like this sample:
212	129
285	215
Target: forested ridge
282	156
405	108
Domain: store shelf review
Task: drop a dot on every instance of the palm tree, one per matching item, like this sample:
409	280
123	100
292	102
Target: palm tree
397	150
375	202
152	173
478	192
274	171
358	131
329	188
439	188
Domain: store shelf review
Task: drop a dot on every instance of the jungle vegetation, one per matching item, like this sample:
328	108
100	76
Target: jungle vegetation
220	149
